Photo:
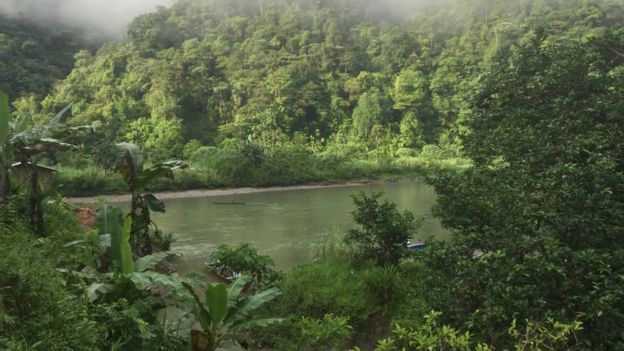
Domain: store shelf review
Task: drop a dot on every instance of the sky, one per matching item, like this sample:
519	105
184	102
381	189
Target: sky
103	18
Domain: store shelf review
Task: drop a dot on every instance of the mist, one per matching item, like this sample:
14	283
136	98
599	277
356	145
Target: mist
404	7
108	19
99	18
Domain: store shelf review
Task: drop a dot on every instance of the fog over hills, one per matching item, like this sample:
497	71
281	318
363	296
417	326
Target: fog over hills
108	19
100	18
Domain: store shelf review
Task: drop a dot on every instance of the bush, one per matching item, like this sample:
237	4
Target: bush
315	290
383	288
36	312
244	259
329	333
306	334
406	152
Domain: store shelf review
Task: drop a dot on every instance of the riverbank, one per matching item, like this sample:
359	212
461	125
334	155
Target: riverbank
92	182
197	193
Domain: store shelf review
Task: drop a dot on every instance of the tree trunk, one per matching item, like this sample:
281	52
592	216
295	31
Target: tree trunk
35	214
139	232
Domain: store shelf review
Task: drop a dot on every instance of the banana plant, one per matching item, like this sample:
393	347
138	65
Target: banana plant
27	143
137	178
21	141
223	314
114	229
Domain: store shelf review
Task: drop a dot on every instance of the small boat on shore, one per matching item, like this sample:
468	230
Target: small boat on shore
417	246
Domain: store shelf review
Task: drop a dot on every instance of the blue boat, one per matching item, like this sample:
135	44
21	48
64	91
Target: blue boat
417	246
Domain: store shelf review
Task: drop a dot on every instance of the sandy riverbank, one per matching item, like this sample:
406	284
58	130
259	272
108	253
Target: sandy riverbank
216	192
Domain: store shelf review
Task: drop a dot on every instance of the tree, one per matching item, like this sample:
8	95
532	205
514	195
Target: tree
409	89
544	200
383	232
411	131
371	109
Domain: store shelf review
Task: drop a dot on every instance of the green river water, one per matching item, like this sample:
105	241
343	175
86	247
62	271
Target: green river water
283	224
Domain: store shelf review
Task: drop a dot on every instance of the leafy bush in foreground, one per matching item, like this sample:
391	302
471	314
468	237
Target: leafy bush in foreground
315	290
36	312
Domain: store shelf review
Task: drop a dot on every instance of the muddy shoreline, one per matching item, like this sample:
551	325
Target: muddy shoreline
222	192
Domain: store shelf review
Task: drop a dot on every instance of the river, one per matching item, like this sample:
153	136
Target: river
284	224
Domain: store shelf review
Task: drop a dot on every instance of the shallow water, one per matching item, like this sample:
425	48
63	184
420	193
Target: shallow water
283	224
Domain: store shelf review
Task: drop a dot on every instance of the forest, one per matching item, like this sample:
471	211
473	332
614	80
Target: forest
511	110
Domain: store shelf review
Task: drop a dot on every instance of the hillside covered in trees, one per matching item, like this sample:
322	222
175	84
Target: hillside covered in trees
314	71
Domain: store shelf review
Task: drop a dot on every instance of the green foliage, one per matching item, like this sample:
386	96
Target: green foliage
329	333
209	71
224	312
543	200
384	288
112	225
34	54
429	336
551	335
244	259
137	178
4	118
328	287
383	232
332	247
36	310
5	150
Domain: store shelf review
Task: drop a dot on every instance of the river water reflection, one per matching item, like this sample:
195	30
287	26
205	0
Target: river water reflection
283	224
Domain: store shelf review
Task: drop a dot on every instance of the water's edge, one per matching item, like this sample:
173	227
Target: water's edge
226	192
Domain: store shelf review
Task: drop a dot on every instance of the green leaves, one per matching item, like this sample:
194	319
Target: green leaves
154	203
56	120
137	178
383	231
131	163
110	222
203	315
4	119
150	261
235	290
216	300
222	313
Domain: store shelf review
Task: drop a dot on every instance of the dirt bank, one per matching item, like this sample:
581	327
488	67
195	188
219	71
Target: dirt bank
213	192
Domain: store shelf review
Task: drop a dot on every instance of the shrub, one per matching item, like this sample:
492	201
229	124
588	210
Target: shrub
383	288
315	290
36	312
244	259
406	152
428	336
